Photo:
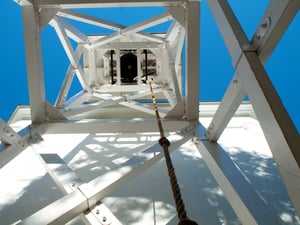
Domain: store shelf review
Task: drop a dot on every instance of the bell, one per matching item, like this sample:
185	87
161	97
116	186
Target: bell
128	67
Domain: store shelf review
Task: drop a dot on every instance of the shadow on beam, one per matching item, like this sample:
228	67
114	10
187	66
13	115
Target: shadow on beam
245	201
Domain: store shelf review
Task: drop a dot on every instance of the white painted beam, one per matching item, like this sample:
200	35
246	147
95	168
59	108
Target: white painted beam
63	176
174	44
93	106
279	130
178	13
77	100
192	28
175	83
125	89
62	34
133	29
59	212
111	126
105	24
7	135
74	60
104	3
142	107
92	70
235	40
178	55
89	20
34	61
46	15
231	100
169	94
106	39
72	32
139	68
68	181
172	31
65	87
131	45
52	113
164	17
87	195
281	14
247	204
150	37
9	152
275	21
139	94
118	64
130	96
24	2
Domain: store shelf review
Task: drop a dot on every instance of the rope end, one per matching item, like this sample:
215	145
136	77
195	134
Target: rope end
187	222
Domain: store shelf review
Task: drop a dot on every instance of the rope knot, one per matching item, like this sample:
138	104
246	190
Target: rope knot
163	141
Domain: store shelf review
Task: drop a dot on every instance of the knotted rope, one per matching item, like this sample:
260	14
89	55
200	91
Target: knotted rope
165	143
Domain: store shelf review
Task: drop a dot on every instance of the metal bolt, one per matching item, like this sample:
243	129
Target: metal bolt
258	37
264	25
97	211
235	82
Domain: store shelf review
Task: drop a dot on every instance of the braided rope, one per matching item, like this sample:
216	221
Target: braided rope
165	143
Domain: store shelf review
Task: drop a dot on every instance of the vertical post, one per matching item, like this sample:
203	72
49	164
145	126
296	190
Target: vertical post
112	66
92	80
34	61
139	69
118	66
146	64
192	60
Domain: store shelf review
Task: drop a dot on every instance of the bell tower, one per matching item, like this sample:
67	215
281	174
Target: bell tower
88	144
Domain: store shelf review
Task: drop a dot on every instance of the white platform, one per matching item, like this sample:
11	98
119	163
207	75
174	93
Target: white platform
147	199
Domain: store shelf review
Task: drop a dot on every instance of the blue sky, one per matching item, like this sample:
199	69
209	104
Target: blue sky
216	68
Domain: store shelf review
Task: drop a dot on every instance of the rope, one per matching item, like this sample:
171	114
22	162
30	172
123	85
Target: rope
165	143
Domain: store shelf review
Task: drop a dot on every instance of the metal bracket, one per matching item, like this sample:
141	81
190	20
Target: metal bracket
7	135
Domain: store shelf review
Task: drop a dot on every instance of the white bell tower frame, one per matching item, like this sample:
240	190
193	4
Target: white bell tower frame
167	48
89	62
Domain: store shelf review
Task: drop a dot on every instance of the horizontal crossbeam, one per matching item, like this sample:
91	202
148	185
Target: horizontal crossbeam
89	194
103	3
